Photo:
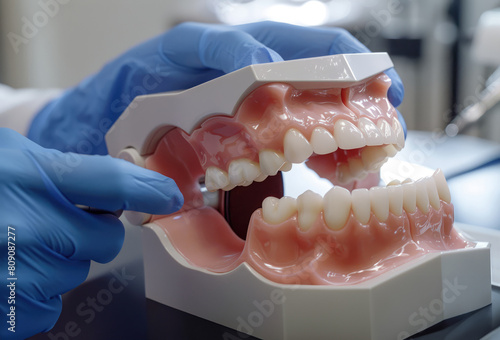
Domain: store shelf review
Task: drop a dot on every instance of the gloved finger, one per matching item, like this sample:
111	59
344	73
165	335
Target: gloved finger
396	90
195	45
402	121
111	184
34	317
10	139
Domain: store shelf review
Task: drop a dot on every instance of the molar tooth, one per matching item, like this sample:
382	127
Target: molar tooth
379	200
395	199
262	177
361	205
323	142
442	186
397	130
243	172
309	205
215	179
372	155
390	150
372	134
386	130
409	196
297	148
286	167
356	167
348	136
270	162
394	182
433	193
422	196
337	206
276	211
344	174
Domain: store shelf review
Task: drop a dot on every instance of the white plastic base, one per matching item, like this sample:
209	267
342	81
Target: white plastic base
394	305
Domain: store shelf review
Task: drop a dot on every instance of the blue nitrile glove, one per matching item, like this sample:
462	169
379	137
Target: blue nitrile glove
185	56
51	242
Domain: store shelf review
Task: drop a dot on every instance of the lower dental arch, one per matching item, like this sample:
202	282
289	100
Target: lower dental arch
355	232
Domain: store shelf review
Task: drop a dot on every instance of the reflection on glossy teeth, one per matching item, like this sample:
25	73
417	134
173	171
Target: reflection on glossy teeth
379	201
277	211
395	193
323	142
297	148
372	134
409	196
215	179
337	207
271	162
348	135
361	205
243	172
309	206
422	196
442	186
386	130
398	131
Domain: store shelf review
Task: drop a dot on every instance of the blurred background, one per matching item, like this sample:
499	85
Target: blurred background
433	43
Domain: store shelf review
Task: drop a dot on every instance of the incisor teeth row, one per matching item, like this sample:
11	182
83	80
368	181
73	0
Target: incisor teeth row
338	203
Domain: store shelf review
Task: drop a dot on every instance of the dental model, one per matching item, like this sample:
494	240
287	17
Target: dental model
377	255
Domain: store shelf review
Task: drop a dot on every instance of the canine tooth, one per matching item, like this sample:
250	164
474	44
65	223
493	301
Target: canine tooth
322	141
297	148
422	196
309	205
395	199
372	155
356	167
347	135
409	196
337	206
271	162
385	129
372	134
243	172
390	150
397	129
215	179
442	186
433	193
361	205
286	167
277	211
379	201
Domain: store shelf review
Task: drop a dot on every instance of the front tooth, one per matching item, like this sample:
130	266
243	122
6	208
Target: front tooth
372	134
323	142
385	129
442	186
243	172
337	207
372	155
297	148
309	205
348	135
215	179
422	195
395	199
277	211
398	131
409	196
379	200
433	193
271	162
361	205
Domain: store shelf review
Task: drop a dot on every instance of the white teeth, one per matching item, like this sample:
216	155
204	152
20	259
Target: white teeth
385	129
286	167
390	150
422	196
379	200
373	156
395	199
309	206
297	148
337	206
398	131
323	142
343	173
372	134
243	172
361	205
271	162
356	167
433	193
442	186
277	211
348	136
261	178
394	182
409	196
215	179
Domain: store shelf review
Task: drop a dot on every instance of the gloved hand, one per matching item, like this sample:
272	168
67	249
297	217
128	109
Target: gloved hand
50	241
185	56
